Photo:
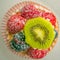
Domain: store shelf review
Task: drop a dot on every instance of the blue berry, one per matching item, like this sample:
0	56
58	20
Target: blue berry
18	42
20	36
56	33
18	46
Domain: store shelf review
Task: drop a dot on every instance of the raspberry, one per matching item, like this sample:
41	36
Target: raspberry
35	53
15	23
51	17
30	11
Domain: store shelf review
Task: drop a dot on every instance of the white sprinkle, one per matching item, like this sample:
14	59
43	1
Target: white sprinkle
13	13
7	33
52	26
50	48
44	9
48	19
36	6
17	10
53	44
23	22
8	38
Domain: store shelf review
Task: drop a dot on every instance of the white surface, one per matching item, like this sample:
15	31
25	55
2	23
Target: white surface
5	53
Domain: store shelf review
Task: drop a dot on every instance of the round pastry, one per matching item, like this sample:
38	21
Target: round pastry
30	30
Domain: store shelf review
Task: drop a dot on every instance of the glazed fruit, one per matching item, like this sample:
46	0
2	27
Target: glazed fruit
51	17
30	11
36	54
39	33
15	23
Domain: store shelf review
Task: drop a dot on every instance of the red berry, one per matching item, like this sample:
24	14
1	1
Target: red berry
30	11
35	53
50	16
15	23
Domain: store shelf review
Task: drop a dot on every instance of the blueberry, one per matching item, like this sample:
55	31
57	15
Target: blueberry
18	47
20	36
18	42
56	33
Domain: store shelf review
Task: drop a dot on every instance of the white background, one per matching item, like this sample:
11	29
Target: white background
5	53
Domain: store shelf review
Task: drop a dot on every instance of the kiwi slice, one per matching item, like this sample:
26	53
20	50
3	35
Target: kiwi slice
39	33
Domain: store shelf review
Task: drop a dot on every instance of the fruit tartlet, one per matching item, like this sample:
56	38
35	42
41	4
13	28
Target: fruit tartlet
30	29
